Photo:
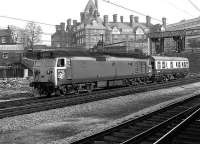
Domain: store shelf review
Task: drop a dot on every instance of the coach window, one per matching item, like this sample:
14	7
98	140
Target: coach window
185	65
182	64
61	62
163	65
159	66
166	65
179	64
171	64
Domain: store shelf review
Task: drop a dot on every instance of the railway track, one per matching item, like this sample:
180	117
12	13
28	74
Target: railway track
25	106
177	124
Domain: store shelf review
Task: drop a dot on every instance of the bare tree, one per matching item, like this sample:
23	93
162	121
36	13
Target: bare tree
32	34
17	34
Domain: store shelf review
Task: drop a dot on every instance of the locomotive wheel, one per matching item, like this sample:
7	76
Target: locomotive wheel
58	92
36	92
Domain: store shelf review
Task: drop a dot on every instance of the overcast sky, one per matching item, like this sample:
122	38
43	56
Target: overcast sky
56	11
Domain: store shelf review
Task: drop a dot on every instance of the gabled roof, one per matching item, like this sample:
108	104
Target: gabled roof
119	25
126	25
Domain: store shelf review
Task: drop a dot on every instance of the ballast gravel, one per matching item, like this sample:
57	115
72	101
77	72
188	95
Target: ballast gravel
65	125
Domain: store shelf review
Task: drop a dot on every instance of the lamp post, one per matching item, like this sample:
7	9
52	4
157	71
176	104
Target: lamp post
101	37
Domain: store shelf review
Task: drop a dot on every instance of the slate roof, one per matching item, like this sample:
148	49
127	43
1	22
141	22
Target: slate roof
119	25
192	22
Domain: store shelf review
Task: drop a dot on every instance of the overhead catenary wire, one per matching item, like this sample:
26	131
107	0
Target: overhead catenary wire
43	33
194	5
179	9
134	11
25	20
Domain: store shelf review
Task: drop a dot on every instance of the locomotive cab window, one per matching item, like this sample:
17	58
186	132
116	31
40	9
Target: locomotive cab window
61	62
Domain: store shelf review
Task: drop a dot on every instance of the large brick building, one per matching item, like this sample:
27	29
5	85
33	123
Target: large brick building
91	29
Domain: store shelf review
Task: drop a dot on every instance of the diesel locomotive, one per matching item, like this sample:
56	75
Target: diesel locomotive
65	75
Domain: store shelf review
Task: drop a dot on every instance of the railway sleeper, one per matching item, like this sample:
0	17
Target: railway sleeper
131	131
101	142
123	135
151	122
194	136
113	139
185	140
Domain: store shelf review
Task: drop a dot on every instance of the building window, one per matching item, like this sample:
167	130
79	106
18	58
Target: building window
3	40
5	55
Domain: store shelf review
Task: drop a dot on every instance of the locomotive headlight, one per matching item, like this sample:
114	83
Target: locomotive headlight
61	74
48	72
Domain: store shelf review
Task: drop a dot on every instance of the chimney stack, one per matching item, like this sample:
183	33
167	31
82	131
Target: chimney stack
69	22
62	26
121	19
115	18
105	19
131	20
95	13
74	22
148	21
164	22
57	28
136	19
82	17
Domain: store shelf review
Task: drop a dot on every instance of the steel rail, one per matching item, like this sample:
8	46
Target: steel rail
79	98
169	136
133	131
143	135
